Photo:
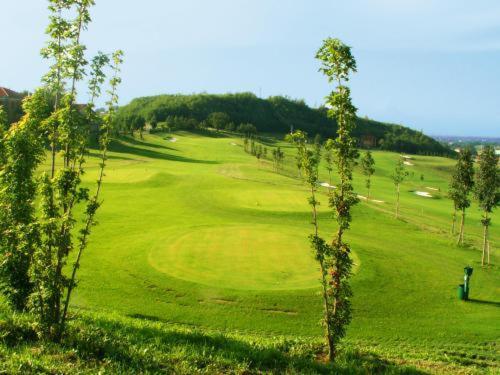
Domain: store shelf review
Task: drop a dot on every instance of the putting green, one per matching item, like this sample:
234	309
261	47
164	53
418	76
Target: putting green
257	257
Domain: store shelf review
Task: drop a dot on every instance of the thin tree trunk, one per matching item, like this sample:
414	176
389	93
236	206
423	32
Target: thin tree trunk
454	222
485	239
460	240
488	250
323	277
397	203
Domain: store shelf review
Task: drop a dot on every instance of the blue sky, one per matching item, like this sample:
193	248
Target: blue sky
428	64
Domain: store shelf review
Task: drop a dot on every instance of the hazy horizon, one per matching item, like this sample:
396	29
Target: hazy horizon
430	65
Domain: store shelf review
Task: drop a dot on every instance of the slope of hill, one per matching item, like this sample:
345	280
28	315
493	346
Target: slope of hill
200	264
277	115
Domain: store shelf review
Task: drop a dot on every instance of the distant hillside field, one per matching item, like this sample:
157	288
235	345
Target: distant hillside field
278	115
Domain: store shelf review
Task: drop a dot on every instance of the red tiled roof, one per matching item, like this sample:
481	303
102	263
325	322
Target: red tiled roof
7	92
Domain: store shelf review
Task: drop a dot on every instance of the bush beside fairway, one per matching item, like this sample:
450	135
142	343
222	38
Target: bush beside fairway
177	217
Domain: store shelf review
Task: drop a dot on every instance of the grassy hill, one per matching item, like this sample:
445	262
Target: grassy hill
200	263
276	115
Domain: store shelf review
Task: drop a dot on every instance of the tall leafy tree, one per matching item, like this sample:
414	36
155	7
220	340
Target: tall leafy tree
487	191
461	185
218	120
368	167
3	128
36	243
398	176
23	150
337	63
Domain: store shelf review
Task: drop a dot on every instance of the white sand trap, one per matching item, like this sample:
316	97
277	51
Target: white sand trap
377	201
173	139
407	157
233	144
424	194
362	197
327	185
407	163
431	188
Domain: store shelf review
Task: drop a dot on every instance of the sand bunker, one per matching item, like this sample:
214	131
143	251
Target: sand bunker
407	163
431	188
424	194
173	139
408	157
233	144
371	200
327	185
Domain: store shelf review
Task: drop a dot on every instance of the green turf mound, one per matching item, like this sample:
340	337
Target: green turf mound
261	257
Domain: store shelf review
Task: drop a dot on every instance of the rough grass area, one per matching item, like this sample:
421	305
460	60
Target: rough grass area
200	263
108	343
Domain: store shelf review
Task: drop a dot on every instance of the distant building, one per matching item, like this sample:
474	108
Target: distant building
11	102
6	94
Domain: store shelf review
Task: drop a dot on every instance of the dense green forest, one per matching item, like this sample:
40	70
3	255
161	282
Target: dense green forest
273	115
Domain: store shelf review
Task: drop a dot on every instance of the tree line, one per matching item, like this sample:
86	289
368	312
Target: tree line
483	183
276	114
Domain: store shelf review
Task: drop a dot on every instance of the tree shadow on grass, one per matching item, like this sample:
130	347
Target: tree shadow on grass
482	302
141	142
210	133
110	157
150	347
268	141
128	148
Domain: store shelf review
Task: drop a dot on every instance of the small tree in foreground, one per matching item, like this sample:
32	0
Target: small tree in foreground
368	167
487	192
323	253
461	185
398	176
337	63
35	244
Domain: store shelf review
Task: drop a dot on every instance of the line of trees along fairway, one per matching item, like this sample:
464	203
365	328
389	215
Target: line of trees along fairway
272	115
461	185
38	227
487	192
485	184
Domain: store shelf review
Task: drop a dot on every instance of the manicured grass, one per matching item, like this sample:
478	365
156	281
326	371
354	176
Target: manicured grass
196	232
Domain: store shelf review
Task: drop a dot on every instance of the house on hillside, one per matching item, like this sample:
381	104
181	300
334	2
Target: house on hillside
11	101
